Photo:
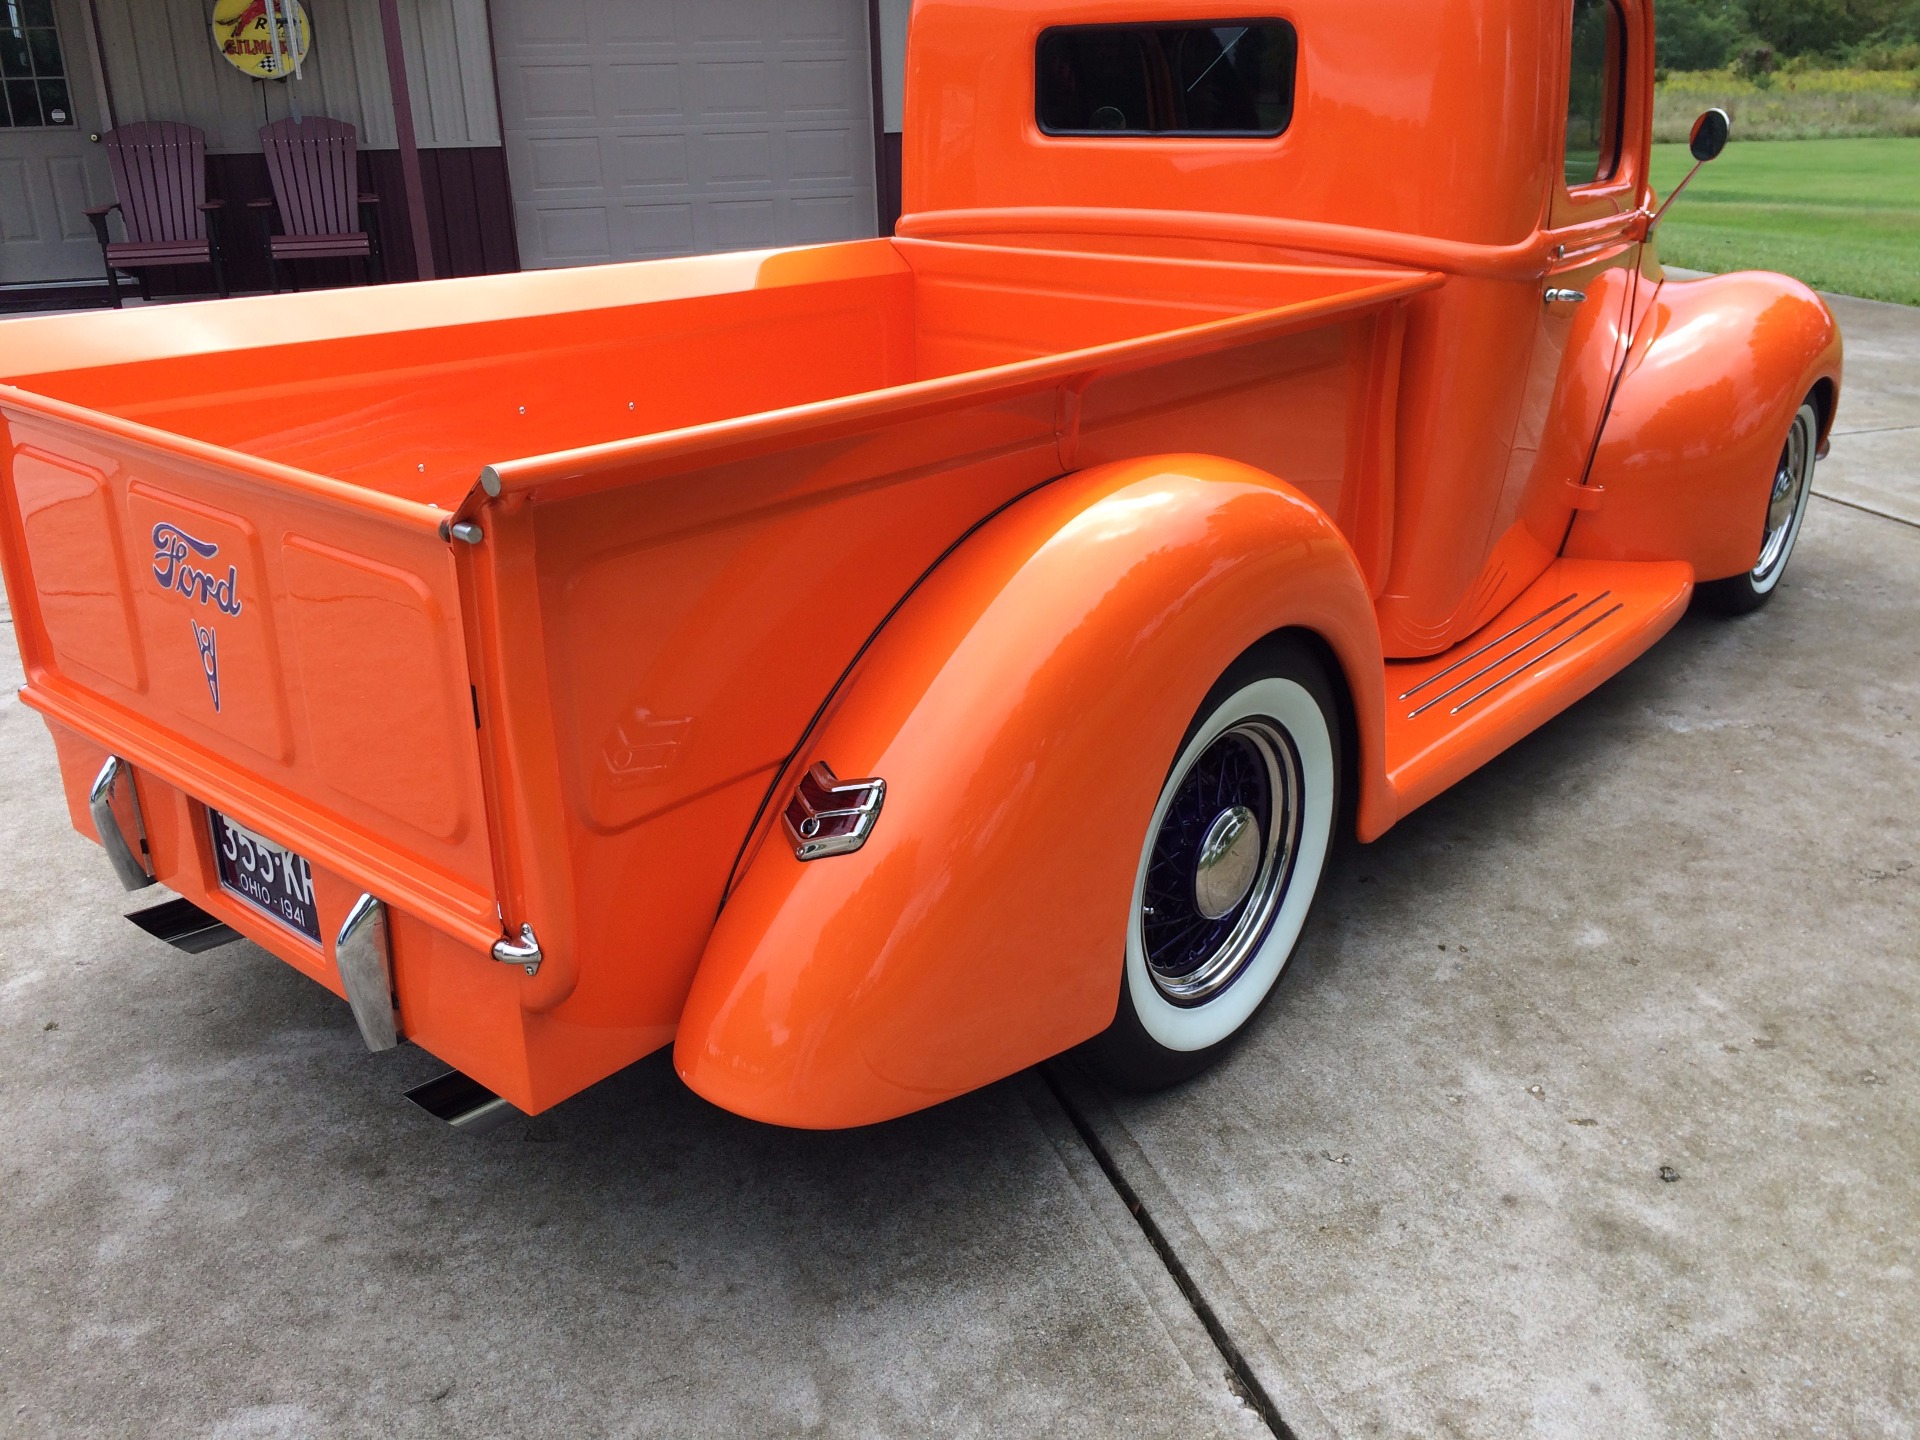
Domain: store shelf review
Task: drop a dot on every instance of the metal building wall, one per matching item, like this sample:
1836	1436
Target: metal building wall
161	65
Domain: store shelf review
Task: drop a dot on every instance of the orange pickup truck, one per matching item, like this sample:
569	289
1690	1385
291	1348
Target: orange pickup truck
872	668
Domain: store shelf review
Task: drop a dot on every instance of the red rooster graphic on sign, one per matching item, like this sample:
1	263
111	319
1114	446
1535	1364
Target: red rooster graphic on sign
254	12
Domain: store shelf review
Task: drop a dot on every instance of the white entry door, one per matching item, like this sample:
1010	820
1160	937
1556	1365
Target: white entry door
637	128
51	170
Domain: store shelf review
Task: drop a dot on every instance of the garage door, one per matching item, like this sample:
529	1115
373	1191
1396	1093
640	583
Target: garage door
637	128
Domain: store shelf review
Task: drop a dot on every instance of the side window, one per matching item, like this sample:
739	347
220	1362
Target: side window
1596	92
1219	78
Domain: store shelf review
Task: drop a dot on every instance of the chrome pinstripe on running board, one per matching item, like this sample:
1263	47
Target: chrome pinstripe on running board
1525	636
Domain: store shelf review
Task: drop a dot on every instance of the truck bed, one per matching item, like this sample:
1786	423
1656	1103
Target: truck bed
412	407
699	488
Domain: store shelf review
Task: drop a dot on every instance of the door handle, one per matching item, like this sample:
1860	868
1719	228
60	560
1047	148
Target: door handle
1564	297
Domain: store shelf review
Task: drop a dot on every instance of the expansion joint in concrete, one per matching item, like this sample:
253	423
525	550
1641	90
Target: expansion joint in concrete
1867	509
1251	1390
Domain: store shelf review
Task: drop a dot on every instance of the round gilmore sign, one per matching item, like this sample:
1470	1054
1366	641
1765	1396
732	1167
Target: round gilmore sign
262	38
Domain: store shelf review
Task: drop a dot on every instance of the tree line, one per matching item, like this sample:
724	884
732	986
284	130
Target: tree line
1757	36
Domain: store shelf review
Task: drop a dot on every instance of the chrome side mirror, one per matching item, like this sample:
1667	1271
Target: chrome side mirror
1709	135
1709	138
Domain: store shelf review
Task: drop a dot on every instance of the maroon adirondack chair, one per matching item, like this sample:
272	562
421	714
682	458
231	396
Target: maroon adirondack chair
316	188
160	176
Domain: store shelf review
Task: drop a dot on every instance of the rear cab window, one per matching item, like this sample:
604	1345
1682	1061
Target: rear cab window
1220	77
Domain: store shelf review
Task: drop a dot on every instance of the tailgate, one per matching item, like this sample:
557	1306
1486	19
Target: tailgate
283	647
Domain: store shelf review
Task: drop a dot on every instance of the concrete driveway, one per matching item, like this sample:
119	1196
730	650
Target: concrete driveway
1589	1108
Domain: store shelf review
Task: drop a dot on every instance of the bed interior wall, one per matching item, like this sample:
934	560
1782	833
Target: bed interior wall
417	413
412	413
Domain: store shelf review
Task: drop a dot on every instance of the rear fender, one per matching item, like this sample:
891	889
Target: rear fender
1687	457
1023	707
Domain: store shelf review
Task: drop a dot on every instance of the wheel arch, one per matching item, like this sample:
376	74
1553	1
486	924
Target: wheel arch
1022	706
1717	370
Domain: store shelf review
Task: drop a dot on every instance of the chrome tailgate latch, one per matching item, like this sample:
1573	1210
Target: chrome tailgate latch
126	864
524	952
831	816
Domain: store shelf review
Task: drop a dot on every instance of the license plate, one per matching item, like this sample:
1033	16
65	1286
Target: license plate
269	877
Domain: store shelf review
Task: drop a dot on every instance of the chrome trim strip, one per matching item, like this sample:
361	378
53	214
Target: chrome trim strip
1442	674
365	962
525	951
1618	606
133	874
1499	660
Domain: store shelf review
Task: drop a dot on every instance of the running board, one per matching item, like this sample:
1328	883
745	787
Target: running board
1577	625
183	924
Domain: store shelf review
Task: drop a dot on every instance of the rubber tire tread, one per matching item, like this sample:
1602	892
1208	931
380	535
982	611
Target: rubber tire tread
1734	595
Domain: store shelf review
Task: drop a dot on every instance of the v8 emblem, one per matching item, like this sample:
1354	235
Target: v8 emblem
209	659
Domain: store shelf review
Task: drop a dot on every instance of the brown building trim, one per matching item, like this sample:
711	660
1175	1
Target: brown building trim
888	181
98	54
409	146
469	208
885	213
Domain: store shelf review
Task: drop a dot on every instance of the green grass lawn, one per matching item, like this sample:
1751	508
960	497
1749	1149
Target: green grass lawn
1842	215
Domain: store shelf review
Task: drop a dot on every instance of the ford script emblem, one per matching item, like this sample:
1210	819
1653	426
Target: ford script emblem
177	567
173	570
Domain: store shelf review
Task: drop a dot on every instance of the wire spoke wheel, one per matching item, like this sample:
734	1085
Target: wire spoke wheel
1230	861
1221	861
1787	497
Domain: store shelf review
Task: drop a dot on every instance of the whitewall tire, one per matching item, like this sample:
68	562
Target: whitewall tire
1229	866
1786	508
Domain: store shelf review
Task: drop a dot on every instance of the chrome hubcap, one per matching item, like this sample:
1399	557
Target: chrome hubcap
1228	860
1792	481
1221	861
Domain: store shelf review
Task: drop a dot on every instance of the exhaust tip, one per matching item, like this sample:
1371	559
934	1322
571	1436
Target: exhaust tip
463	1102
183	924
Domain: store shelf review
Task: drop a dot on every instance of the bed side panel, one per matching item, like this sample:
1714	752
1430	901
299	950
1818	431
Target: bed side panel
693	622
691	628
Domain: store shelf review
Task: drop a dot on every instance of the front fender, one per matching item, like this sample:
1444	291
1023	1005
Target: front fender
1023	707
1686	460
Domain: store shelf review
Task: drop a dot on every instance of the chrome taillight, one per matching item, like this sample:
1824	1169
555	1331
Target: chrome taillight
830	816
